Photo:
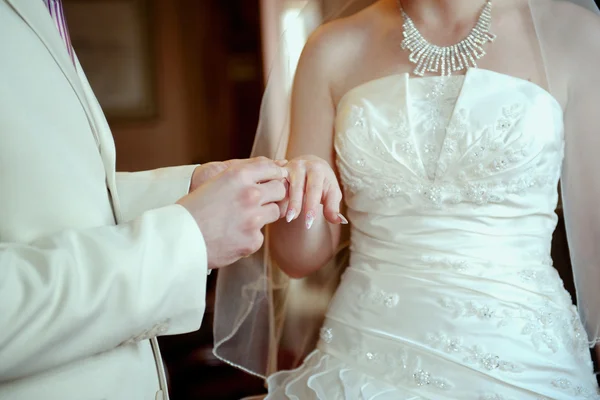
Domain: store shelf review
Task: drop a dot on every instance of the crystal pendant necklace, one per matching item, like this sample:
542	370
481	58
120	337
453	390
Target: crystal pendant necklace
446	60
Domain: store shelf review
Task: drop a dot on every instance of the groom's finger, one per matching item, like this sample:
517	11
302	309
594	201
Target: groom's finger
271	213
261	169
230	163
272	191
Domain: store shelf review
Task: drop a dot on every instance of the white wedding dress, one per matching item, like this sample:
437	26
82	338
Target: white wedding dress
451	187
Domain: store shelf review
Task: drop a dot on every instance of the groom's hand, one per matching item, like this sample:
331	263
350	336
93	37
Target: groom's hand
232	207
203	173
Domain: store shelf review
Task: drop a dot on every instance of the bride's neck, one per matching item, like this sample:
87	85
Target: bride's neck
454	12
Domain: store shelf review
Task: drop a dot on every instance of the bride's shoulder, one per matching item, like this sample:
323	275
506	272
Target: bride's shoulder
571	8
574	17
569	33
343	41
570	28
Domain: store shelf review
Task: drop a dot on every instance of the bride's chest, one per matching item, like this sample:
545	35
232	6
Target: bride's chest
474	139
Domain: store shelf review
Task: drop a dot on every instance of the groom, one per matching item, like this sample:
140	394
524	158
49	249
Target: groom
95	264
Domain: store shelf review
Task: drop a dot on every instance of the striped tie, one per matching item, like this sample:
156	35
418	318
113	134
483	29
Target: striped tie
56	11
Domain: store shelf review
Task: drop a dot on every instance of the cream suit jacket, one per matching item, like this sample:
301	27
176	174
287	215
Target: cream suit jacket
93	263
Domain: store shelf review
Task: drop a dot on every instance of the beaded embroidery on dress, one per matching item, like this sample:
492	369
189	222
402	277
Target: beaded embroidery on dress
450	184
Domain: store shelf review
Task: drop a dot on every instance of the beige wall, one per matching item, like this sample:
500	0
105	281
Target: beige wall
164	140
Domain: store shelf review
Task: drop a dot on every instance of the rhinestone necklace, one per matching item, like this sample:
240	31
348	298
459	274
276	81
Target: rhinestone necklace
446	60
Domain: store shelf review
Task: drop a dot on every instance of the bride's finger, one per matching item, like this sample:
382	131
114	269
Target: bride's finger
297	178
283	207
313	195
331	204
283	204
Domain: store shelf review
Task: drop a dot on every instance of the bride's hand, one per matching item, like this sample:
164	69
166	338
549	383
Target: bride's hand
313	182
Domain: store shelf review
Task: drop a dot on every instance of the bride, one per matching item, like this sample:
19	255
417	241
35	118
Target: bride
449	158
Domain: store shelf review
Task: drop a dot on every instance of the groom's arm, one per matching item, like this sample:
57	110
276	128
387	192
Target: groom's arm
77	293
138	192
142	191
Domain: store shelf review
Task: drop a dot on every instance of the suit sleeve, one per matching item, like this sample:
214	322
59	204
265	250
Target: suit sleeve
83	292
146	190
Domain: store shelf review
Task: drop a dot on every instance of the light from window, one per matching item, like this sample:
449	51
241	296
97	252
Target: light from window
298	20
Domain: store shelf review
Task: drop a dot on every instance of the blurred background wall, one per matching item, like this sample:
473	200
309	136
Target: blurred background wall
202	68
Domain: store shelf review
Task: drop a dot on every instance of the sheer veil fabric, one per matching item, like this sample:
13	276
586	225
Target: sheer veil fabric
251	308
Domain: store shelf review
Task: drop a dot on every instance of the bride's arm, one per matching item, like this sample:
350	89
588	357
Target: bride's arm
297	250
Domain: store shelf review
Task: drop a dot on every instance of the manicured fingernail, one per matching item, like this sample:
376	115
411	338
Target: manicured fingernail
343	219
310	219
290	215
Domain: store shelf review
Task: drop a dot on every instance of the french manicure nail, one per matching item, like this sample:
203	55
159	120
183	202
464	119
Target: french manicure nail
343	219
290	215
310	219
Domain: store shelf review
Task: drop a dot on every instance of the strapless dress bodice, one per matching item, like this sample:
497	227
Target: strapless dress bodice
459	165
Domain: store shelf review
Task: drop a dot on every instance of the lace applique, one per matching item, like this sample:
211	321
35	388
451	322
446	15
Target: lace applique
550	327
380	297
573	390
471	309
440	101
453	264
436	109
528	275
472	355
490	396
476	169
546	281
326	335
404	368
385	164
382	183
496	148
547	326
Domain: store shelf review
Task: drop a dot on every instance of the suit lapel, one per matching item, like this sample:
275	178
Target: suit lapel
36	15
107	144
